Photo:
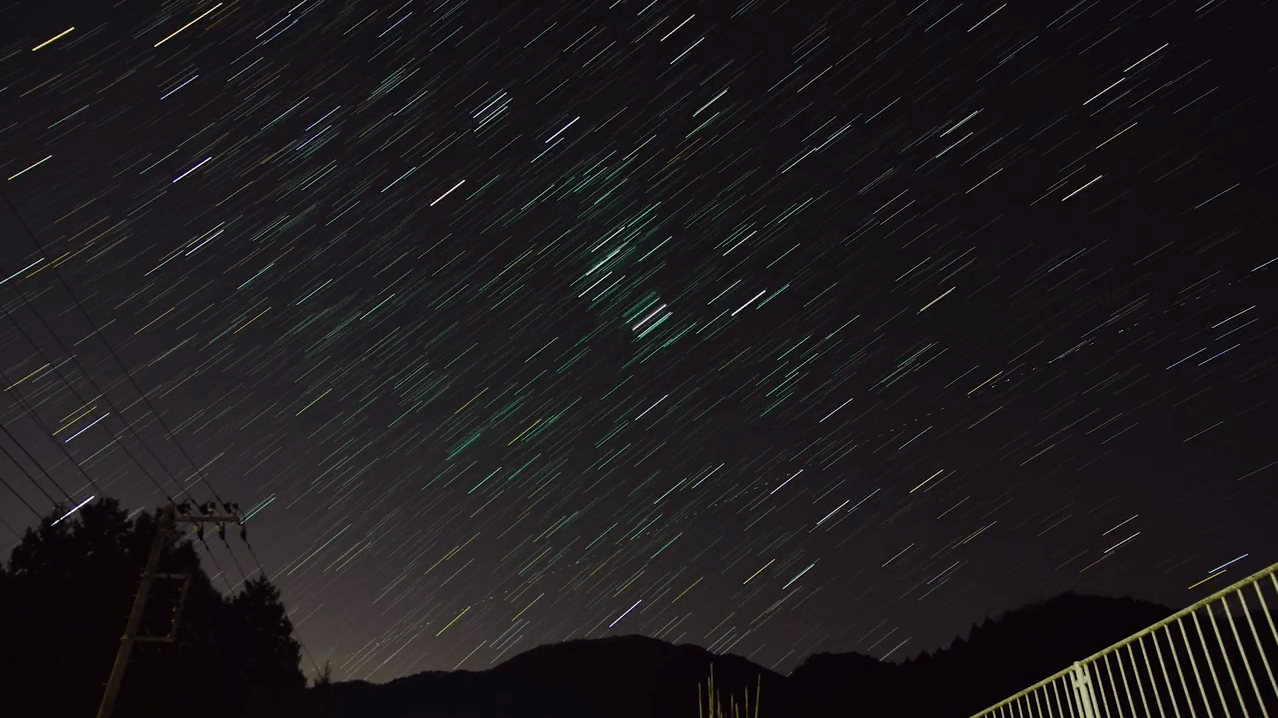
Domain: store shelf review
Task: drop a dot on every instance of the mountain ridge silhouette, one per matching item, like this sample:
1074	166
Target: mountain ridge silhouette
640	677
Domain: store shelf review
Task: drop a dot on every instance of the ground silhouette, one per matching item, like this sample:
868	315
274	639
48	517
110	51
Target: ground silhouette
636	677
67	587
999	657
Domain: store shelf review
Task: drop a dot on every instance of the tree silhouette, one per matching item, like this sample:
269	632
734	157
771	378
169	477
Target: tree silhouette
65	594
262	654
325	676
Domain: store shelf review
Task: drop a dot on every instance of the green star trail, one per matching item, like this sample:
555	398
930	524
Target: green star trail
772	327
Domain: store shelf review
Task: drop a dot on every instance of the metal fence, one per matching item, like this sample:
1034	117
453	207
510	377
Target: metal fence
1214	659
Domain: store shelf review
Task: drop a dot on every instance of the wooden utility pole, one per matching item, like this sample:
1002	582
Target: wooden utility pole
165	527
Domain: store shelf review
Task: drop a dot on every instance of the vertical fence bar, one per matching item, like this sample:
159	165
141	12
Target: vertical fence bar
1189	650
1100	689
1260	647
1038	706
1153	680
1122	673
1211	665
1224	657
1189	699
1140	688
1261	597
1085	682
1162	664
1068	711
1251	677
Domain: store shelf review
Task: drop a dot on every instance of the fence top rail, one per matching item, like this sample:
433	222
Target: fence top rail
1232	588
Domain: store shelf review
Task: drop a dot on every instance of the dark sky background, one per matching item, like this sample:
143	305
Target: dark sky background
774	327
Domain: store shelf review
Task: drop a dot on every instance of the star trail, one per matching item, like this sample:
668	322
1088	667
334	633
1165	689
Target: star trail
773	327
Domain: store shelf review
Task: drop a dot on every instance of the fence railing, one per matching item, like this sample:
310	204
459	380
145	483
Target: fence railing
1214	659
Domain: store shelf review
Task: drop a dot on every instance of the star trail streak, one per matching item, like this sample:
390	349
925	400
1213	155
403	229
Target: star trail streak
774	327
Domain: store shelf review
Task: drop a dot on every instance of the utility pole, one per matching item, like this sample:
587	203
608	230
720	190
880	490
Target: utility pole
170	516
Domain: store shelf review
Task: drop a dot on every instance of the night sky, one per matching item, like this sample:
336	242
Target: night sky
773	327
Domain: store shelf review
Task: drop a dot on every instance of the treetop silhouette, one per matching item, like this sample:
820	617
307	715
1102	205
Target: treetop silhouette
65	594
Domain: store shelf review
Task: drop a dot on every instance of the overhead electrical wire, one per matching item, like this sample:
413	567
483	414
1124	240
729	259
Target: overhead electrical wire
22	404
84	402
111	350
96	330
102	394
38	515
23	469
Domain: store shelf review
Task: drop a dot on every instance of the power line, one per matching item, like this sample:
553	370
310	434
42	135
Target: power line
98	332
68	384
75	392
11	529
159	419
218	566
116	438
37	464
83	402
17	399
23	469
38	515
80	397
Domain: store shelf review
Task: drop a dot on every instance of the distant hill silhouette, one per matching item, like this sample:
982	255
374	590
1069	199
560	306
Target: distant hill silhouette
999	657
636	677
618	677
